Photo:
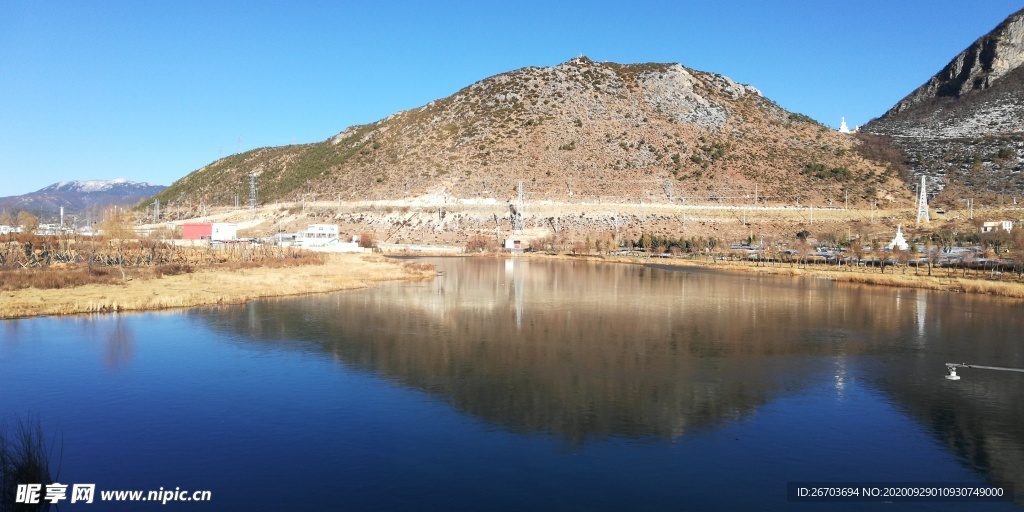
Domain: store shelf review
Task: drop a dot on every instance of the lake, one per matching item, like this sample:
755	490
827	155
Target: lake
532	385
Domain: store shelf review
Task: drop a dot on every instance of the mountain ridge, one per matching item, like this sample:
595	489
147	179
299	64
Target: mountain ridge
80	195
581	129
962	129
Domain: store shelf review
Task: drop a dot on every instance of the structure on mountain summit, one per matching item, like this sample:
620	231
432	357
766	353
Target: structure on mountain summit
845	129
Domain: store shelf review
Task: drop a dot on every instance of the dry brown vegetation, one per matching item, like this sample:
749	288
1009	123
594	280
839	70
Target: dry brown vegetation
45	262
580	132
212	285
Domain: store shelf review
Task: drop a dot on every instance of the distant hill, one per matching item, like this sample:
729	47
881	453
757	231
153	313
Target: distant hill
582	130
965	126
78	196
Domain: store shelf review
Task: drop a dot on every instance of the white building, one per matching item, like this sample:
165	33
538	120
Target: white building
318	235
325	237
1005	225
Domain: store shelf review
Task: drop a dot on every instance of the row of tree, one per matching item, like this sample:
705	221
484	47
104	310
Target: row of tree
26	220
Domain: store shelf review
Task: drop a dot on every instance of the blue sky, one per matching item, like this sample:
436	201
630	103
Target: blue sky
153	90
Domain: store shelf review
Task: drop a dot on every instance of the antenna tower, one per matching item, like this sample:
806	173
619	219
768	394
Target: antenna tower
252	191
517	220
922	203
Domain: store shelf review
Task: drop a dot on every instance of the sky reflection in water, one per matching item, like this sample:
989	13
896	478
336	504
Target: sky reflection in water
531	385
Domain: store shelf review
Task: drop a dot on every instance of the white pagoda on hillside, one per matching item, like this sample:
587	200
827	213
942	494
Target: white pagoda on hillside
845	129
898	240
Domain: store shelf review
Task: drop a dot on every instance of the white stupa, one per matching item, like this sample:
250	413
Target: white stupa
898	240
843	128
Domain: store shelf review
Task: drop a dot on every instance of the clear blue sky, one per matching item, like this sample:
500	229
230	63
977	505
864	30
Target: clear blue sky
153	90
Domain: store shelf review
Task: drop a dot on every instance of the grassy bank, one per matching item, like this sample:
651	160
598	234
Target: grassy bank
211	286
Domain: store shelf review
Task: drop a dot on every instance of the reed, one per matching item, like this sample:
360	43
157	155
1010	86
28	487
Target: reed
24	459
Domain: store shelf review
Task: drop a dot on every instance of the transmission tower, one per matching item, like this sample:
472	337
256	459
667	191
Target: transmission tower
252	191
922	203
517	219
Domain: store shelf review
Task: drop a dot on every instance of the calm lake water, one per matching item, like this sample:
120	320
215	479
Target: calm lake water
532	385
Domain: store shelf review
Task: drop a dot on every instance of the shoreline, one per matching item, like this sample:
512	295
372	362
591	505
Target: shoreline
209	287
941	280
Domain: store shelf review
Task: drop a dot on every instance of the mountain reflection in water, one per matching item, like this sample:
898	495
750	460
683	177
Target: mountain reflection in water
589	351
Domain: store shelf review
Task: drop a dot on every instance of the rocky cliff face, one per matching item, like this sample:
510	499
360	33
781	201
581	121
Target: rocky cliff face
977	68
964	126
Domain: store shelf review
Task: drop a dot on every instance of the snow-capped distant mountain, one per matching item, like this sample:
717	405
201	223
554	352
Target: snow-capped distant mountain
77	196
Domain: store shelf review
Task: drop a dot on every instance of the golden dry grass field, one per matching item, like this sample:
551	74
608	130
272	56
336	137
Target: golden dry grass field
207	287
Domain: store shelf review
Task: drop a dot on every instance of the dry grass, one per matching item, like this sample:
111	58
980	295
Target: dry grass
51	277
211	286
35	261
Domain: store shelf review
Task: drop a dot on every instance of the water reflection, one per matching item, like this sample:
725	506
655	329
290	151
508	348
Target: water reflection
119	344
588	351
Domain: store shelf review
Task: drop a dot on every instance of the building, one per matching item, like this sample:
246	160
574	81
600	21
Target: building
1005	225
318	235
325	238
215	231
513	245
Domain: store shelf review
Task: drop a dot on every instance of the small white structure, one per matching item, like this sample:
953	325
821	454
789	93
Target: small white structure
318	235
845	129
898	240
1005	225
324	237
6	230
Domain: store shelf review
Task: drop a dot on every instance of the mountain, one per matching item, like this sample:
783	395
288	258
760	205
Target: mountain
77	196
963	126
581	130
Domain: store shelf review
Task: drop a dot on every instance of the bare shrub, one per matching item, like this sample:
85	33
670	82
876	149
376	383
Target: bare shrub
367	240
481	243
24	459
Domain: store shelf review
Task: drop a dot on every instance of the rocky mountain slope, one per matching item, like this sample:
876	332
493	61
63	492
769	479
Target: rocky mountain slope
964	126
77	196
582	131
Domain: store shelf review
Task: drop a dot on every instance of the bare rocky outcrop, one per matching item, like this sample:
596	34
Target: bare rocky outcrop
977	68
963	127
